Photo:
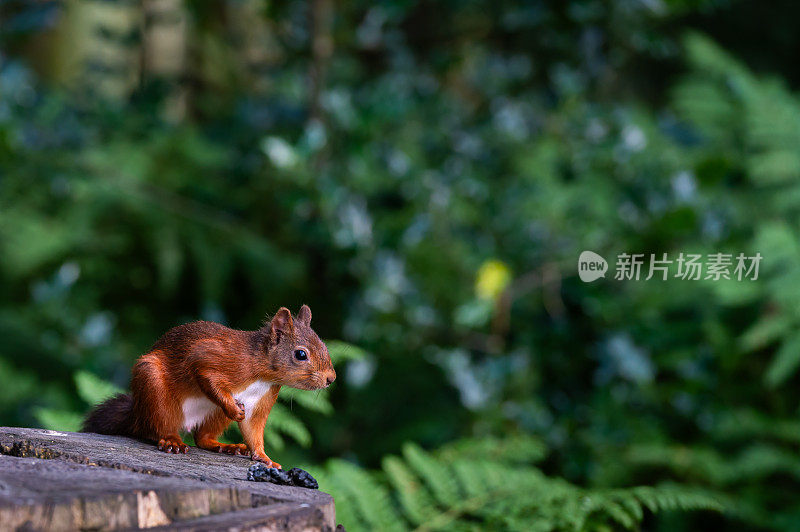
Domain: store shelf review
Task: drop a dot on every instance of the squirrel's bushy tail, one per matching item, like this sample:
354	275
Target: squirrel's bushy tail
112	416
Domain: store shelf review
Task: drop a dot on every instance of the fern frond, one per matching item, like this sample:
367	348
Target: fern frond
372	501
438	477
346	499
282	420
514	449
273	440
672	498
757	461
445	491
746	424
785	362
316	401
341	351
413	496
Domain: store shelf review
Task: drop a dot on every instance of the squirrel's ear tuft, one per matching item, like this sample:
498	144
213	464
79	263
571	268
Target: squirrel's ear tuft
304	315
282	322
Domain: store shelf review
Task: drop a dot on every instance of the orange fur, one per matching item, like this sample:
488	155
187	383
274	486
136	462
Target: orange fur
253	428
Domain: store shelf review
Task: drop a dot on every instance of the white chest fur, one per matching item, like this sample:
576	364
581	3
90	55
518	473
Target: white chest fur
196	409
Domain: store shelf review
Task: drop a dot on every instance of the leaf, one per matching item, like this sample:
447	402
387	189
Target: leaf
27	242
493	277
281	419
784	363
437	476
341	351
273	440
765	331
372	498
93	389
55	419
474	313
512	449
316	401
414	498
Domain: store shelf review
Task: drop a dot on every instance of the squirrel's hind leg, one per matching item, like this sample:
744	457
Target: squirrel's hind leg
209	430
157	414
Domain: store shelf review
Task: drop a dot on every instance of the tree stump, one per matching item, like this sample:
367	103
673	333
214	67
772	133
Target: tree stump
68	480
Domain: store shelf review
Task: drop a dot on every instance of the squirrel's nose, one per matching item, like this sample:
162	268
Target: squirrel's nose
330	378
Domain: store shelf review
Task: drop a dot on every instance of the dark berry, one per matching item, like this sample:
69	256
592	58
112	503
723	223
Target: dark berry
279	476
262	473
302	478
293	477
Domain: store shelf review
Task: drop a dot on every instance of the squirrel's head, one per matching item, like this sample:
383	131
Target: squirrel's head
295	352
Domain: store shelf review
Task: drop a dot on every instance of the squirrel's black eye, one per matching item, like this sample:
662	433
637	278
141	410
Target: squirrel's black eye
300	354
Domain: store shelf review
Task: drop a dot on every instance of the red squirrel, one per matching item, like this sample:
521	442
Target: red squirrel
202	375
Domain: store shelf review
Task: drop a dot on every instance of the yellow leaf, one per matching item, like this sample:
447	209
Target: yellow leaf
493	277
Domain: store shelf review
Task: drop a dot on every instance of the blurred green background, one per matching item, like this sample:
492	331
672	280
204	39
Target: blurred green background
424	175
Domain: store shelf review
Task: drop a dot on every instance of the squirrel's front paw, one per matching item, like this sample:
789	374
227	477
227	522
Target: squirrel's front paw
237	413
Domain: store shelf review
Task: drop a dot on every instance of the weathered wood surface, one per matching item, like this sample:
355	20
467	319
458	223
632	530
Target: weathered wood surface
65	481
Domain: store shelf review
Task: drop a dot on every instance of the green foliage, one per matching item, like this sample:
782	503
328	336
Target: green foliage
282	421
457	487
94	390
91	389
55	419
343	351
